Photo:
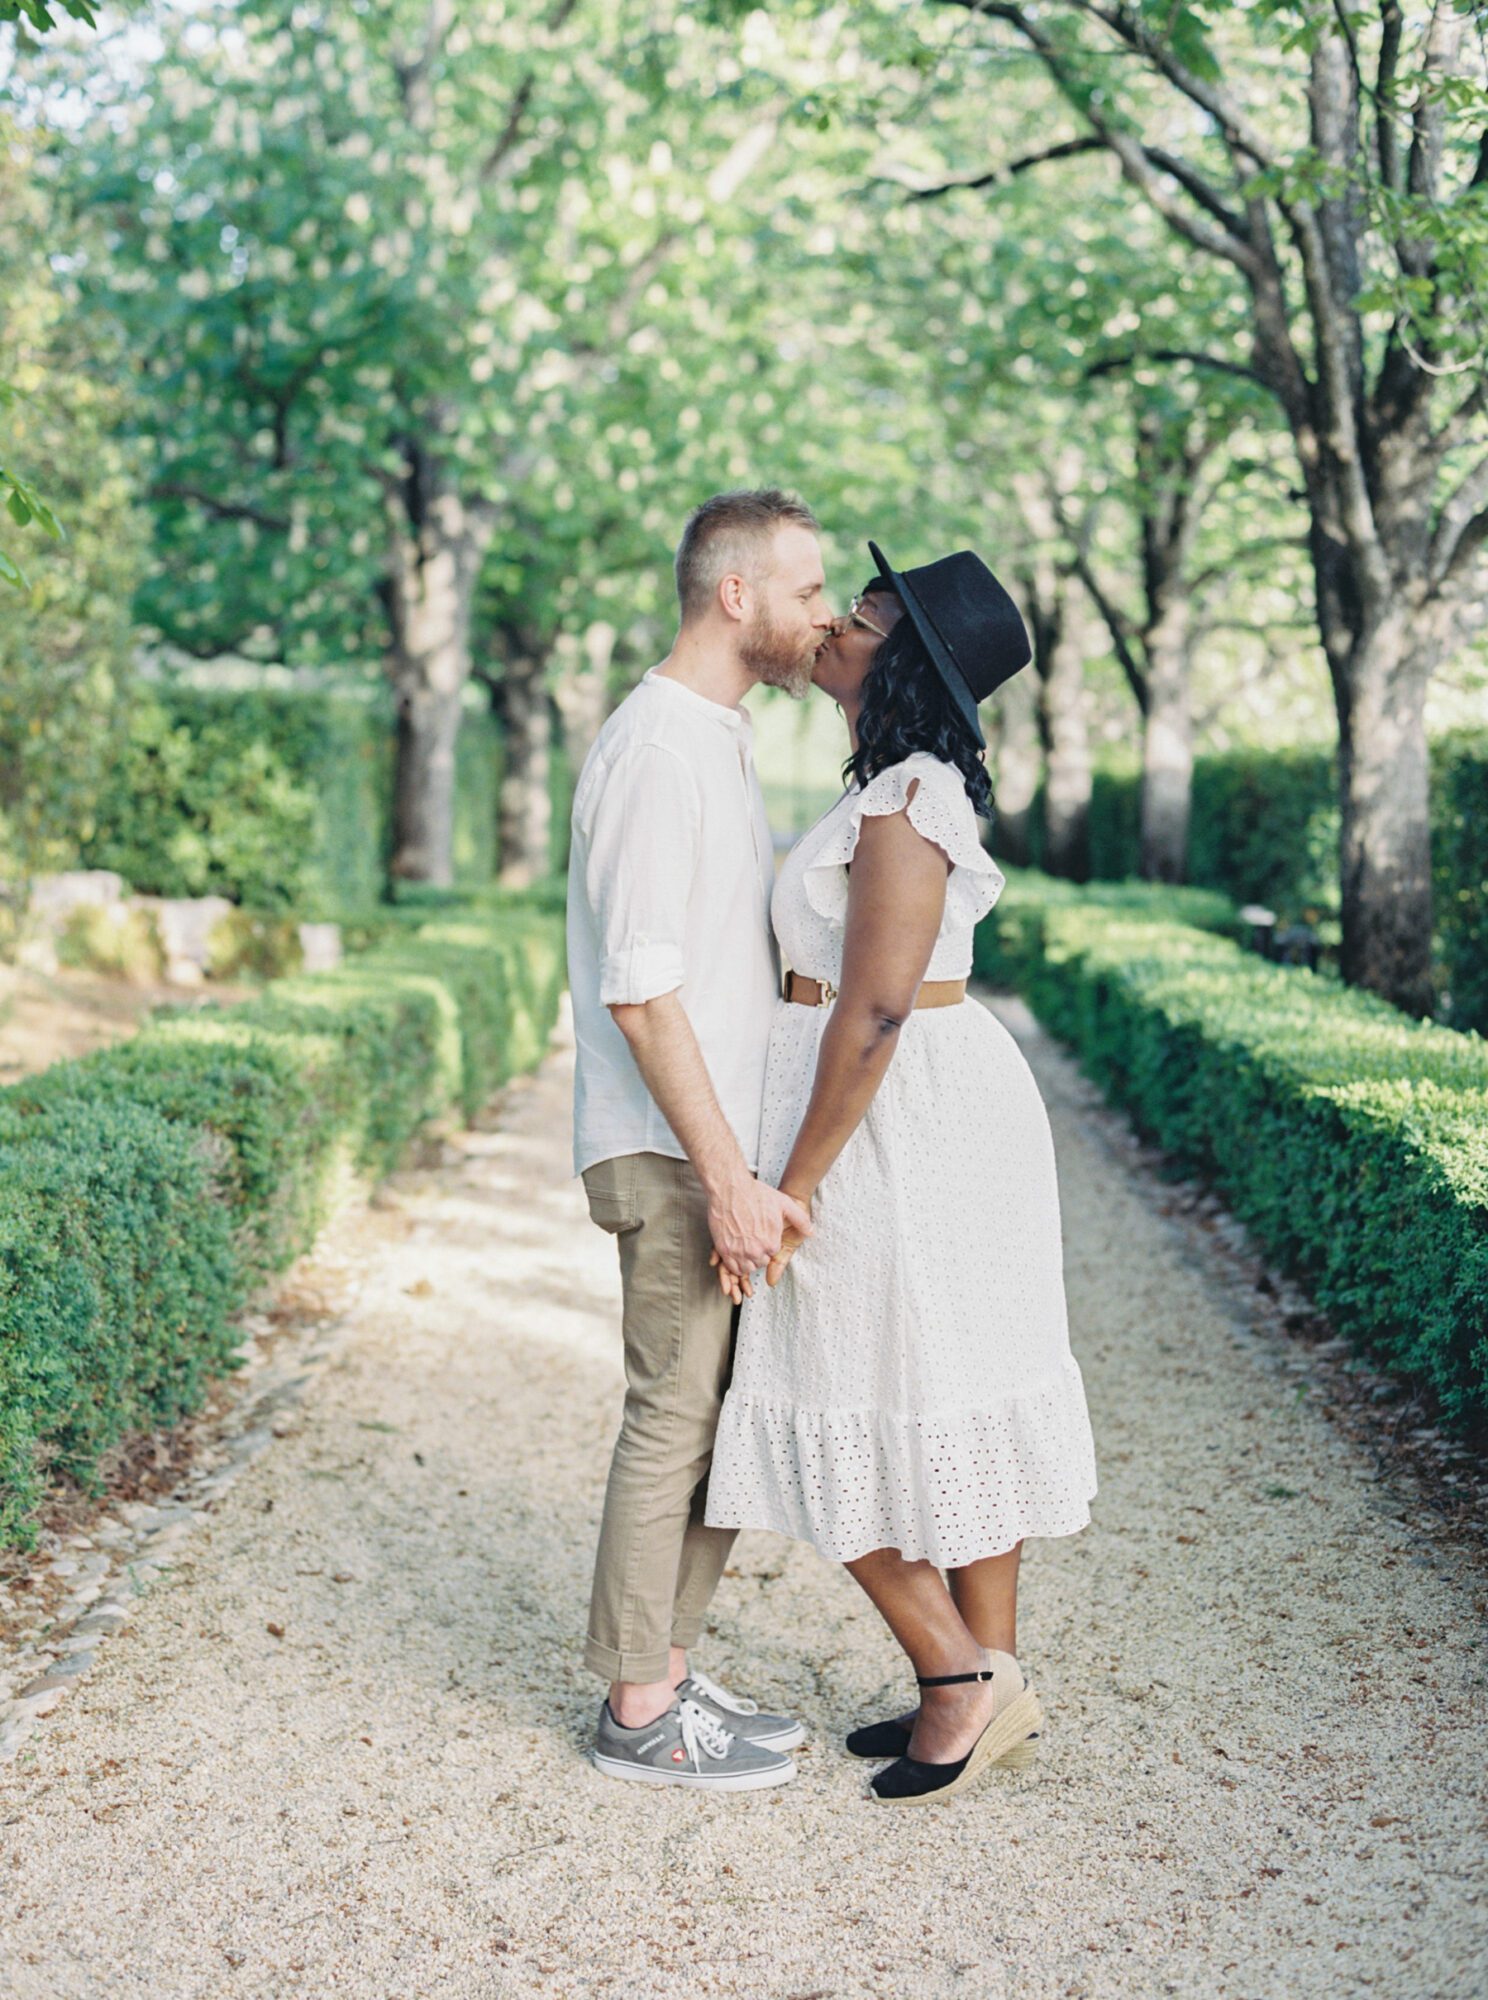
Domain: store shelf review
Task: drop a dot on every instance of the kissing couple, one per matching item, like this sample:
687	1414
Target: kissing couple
834	1199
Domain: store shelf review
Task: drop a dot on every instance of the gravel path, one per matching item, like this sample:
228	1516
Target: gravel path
336	1749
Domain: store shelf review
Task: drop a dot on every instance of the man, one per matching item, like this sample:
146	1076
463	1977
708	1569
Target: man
674	976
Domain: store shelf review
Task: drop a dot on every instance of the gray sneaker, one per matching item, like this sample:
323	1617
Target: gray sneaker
742	1716
686	1746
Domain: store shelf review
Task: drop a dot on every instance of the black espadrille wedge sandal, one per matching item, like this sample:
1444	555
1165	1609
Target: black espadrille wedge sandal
1006	1742
880	1739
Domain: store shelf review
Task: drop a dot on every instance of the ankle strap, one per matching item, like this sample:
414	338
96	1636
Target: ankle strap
954	1680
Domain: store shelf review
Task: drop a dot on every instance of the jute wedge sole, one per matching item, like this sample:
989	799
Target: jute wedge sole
1003	1742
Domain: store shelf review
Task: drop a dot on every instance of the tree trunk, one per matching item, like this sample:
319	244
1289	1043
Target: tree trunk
525	822
424	784
1068	780
581	690
437	544
1019	755
1385	831
1167	747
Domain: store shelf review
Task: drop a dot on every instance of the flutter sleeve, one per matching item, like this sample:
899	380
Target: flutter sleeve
941	812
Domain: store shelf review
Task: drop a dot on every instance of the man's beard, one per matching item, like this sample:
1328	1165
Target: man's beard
775	659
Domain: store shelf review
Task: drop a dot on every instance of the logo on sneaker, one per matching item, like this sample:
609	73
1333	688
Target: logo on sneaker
650	1743
679	1755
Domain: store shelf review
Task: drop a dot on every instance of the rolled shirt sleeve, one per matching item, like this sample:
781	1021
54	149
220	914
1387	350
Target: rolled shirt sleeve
643	850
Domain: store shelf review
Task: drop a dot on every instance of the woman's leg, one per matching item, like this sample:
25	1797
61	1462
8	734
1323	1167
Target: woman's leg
986	1595
921	1613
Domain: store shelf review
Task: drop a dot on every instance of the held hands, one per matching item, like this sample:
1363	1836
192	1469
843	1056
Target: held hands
746	1219
796	1226
790	1242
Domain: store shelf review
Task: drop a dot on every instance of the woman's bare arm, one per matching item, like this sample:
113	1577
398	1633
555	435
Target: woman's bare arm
895	900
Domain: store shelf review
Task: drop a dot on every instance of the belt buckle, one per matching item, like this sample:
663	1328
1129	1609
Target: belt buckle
826	992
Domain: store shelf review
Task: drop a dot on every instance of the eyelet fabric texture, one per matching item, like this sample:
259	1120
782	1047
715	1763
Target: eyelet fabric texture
909	1384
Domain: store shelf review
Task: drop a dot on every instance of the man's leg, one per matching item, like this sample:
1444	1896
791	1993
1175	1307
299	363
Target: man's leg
704	1553
653	1545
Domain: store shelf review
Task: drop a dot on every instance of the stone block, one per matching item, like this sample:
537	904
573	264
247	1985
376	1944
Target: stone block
52	896
185	925
321	945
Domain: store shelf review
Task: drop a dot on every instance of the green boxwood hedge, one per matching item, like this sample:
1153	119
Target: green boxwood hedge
146	1190
117	1274
1264	829
1351	1140
1459	865
1008	944
274	796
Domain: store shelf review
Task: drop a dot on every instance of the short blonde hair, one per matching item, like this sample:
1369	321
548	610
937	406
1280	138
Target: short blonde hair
727	534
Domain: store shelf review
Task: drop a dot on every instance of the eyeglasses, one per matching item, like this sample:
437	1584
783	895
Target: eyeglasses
855	617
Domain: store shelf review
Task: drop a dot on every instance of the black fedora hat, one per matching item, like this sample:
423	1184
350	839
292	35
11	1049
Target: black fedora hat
972	629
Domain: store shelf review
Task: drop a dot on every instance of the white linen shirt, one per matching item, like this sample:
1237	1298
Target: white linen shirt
669	878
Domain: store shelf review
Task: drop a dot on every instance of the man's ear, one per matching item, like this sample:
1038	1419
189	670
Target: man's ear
733	595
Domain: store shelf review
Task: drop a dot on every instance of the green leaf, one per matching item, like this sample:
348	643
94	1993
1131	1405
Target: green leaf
44	517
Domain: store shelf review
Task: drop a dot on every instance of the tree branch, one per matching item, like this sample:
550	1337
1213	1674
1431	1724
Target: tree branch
637	278
516	117
1065	151
1387	141
1132	154
1429	122
510	132
1194	183
1351	41
1251	676
1114	363
1332	332
1469	543
1187	177
1127	25
220	510
1260	628
1261	545
414	74
1116	621
1461	513
1480	171
1451	433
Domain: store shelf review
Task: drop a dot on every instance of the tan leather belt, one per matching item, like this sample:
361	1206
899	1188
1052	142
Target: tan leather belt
821	992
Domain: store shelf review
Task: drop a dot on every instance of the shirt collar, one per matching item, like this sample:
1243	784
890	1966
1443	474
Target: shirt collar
737	719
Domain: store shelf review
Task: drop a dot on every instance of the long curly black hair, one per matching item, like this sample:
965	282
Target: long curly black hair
907	707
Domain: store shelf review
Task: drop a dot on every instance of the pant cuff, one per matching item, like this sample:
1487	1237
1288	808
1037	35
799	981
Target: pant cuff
640	1668
686	1633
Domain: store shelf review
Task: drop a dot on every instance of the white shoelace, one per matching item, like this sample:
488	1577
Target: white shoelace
736	1704
704	1733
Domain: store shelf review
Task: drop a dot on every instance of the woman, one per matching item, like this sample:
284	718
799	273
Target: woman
904	1396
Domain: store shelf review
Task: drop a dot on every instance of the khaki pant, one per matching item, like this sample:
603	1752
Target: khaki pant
657	1566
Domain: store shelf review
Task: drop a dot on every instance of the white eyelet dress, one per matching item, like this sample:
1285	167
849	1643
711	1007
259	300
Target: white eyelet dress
909	1383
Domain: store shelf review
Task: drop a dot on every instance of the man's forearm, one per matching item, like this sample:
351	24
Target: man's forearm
746	1218
665	1047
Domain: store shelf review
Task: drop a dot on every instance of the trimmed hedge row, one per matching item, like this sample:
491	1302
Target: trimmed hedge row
1351	1140
275	797
1007	946
1265	829
146	1190
1459	868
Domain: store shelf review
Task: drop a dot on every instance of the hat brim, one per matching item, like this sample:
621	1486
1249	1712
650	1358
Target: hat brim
935	646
